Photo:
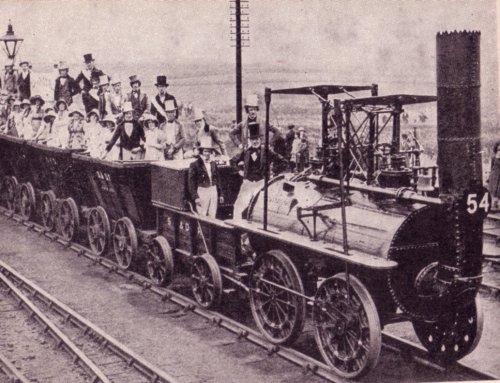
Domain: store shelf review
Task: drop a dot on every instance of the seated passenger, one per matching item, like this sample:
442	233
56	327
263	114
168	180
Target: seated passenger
93	131
174	133
254	169
109	127
202	180
76	139
44	134
130	133
155	138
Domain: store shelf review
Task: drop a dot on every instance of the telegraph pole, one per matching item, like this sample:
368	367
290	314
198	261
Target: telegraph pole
240	35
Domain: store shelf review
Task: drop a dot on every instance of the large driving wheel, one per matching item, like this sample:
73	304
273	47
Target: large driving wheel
98	230
206	281
48	210
27	201
68	218
453	336
347	326
160	262
124	242
277	310
9	192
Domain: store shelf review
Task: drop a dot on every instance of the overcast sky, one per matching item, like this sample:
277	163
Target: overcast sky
379	37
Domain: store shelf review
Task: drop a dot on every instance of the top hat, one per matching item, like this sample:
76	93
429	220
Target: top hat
206	142
88	58
253	130
24	62
133	79
302	129
37	97
198	114
146	117
103	80
63	66
161	80
9	63
252	101
127	107
115	80
108	119
170	106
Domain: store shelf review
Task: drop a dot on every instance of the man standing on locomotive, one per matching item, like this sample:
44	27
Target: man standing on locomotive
24	81
158	103
84	81
254	162
174	133
239	134
205	130
202	180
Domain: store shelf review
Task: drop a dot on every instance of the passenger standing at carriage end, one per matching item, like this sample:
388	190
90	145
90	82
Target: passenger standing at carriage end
84	80
139	99
174	133
254	162
130	133
205	130
65	87
158	102
202	179
24	81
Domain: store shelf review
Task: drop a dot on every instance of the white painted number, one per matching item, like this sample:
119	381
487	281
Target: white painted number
472	205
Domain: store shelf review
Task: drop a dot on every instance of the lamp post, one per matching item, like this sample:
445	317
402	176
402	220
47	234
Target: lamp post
11	43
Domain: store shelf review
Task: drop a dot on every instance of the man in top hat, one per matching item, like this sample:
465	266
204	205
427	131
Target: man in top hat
116	97
158	102
254	161
65	87
84	80
205	130
139	99
239	134
10	78
175	137
202	180
24	81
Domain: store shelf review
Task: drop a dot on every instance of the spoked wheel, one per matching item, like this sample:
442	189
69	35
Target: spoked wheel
27	201
9	192
160	261
98	230
48	210
124	242
454	336
206	281
68	218
347	326
279	313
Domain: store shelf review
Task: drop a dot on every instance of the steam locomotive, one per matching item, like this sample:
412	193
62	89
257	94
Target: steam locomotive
355	254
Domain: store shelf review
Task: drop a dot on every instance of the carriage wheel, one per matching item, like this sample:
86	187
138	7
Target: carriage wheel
124	242
98	230
206	281
26	201
347	326
160	261
48	210
9	192
68	218
454	336
279	314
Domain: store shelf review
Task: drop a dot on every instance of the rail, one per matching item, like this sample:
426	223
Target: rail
14	375
307	363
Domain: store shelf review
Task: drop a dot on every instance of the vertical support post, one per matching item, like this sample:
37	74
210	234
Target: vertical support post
267	98
324	132
396	128
347	143
371	149
238	61
342	145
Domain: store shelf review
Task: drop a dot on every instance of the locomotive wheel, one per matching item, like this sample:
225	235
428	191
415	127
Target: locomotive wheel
346	326
68	218
48	210
454	336
160	261
124	242
206	281
98	230
279	313
9	192
26	201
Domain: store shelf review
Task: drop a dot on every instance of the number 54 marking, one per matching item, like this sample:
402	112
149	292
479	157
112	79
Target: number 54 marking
473	205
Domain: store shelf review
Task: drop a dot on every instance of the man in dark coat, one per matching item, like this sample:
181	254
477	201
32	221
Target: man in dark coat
84	79
65	87
290	136
10	79
139	99
239	134
202	180
158	102
24	81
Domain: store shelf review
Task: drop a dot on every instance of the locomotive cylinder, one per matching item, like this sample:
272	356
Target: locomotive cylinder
458	111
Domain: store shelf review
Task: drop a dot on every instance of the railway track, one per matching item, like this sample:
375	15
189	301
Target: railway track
408	350
12	374
102	357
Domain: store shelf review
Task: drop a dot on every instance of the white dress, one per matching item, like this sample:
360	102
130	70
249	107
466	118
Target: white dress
93	133
60	134
154	137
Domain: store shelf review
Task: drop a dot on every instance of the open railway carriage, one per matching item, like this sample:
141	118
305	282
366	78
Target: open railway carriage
121	210
360	255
